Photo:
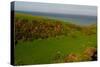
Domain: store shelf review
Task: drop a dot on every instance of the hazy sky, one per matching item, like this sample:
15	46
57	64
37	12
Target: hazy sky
56	8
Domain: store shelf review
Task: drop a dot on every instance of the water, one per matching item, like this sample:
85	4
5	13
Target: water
76	19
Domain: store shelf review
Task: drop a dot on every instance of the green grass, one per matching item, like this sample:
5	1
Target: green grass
43	51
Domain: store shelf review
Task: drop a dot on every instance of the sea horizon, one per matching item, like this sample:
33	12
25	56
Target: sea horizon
76	19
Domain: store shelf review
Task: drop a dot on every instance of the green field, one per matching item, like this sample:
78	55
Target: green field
44	50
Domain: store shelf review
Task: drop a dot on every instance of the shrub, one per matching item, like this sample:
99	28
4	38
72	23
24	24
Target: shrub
37	29
72	58
89	54
90	51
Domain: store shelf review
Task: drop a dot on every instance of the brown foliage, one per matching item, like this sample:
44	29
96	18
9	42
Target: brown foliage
89	54
37	29
71	58
90	51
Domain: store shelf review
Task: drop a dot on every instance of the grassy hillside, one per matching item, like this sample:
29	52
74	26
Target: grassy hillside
40	40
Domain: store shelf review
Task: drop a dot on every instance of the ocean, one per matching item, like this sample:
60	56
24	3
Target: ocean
76	19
